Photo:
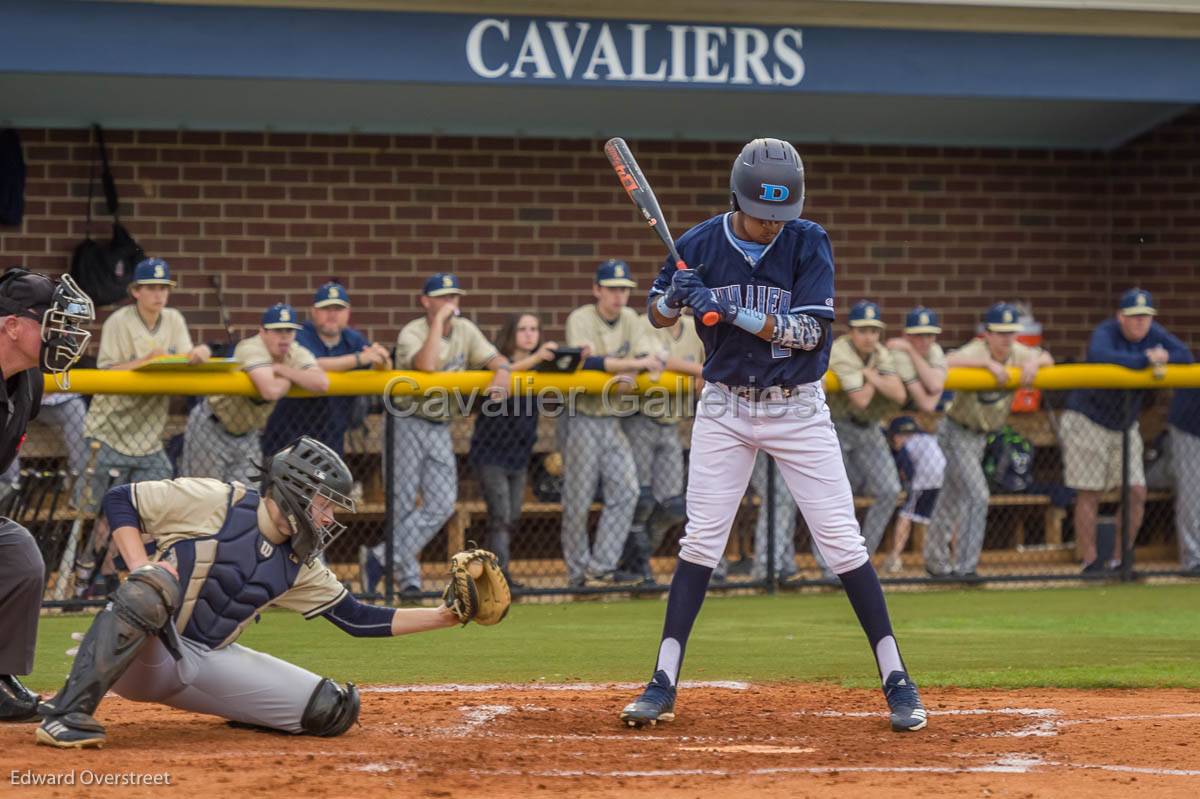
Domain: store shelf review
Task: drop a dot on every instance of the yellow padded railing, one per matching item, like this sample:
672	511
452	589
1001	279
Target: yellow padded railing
105	381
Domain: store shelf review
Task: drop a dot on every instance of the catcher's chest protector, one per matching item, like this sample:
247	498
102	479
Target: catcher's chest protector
241	574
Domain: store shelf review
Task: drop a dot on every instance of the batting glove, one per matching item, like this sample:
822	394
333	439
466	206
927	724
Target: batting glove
683	283
701	302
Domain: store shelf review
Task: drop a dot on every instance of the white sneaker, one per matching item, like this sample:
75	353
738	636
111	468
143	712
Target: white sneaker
892	564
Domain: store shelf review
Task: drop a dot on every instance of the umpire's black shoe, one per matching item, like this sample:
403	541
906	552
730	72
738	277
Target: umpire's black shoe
908	714
657	703
17	703
72	731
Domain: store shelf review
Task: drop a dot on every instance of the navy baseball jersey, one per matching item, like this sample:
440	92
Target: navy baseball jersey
794	273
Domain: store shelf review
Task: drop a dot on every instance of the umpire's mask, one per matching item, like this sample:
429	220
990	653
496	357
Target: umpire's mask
61	309
308	479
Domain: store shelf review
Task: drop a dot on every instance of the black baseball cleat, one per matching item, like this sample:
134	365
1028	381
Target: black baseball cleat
17	703
657	703
72	731
908	714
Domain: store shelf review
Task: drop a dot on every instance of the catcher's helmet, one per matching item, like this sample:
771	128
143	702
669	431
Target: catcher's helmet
767	181
296	476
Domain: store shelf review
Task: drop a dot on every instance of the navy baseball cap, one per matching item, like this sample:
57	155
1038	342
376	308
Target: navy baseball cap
614	274
441	284
866	314
152	272
1002	318
922	320
1137	302
280	316
331	293
903	424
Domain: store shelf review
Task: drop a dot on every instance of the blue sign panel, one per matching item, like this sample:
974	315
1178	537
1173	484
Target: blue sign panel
53	36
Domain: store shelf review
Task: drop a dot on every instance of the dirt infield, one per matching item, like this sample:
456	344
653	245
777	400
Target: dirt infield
761	740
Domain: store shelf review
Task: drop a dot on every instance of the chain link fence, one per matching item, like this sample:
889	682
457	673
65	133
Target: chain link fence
578	504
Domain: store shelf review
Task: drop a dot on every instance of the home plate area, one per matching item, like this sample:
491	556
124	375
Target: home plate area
741	739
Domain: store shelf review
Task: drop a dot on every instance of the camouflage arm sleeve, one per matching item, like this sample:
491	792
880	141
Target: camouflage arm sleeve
798	331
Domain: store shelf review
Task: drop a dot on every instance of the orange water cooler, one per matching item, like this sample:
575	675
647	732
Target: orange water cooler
1028	400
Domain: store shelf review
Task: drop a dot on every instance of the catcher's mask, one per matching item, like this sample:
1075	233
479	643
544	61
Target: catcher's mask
61	309
309	482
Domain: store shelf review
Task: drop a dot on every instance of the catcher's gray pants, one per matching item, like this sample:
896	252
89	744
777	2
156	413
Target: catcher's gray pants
785	521
423	455
596	452
209	450
963	504
657	455
236	683
872	472
504	492
22	580
1185	464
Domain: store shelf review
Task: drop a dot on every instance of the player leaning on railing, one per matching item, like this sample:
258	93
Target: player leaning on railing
40	325
238	550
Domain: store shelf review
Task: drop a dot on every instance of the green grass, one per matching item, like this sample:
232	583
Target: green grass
1120	636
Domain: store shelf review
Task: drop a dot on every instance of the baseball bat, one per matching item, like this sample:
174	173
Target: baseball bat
218	286
639	190
66	564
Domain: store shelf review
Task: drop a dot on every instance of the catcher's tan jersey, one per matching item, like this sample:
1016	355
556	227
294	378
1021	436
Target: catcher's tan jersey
463	348
679	341
133	424
195	507
904	362
848	365
986	411
240	415
585	325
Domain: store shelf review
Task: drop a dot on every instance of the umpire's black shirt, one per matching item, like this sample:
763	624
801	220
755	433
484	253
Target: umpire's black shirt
22	395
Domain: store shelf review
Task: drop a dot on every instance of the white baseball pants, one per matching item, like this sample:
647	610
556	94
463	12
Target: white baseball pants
798	433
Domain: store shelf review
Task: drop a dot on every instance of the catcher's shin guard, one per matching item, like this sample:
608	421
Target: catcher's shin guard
140	607
331	709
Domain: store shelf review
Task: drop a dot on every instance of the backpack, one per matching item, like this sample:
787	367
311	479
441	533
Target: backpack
103	270
1008	462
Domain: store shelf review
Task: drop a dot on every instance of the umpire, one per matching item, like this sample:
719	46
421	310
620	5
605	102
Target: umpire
39	324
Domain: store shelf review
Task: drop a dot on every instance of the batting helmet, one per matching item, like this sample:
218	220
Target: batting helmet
295	477
767	181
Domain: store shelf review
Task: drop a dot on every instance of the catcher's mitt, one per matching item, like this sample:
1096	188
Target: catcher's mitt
477	591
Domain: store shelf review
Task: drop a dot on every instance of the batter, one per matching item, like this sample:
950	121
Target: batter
769	274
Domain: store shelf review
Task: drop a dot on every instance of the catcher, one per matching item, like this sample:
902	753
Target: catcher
223	553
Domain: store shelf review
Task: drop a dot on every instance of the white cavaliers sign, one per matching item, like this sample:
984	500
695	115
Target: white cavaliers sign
572	51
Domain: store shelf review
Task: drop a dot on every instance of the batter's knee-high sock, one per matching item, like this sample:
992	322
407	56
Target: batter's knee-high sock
688	587
866	596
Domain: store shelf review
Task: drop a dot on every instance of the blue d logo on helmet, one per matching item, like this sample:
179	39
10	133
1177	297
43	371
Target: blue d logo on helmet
774	193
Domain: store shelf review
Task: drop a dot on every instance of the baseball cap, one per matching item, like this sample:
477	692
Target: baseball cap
152	272
614	274
25	293
865	314
1002	318
903	424
441	284
922	320
280	316
1137	302
331	293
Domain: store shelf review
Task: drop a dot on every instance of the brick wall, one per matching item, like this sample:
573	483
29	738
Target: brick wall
524	221
1156	221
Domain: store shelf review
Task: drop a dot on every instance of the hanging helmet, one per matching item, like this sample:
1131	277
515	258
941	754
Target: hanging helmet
300	474
767	181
